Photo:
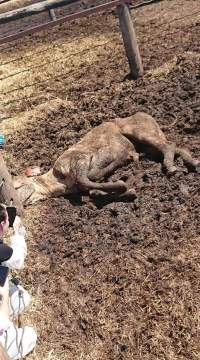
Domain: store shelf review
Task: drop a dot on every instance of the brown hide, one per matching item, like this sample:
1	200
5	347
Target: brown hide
84	166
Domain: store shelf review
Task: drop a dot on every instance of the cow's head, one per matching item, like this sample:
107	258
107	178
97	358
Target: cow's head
29	189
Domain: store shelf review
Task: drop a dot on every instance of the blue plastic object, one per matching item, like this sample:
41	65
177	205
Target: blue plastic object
2	140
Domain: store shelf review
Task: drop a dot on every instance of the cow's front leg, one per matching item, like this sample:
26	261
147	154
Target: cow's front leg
127	195
98	173
84	183
168	151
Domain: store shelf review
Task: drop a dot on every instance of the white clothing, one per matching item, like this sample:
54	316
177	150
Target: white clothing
19	299
18	342
4	324
18	244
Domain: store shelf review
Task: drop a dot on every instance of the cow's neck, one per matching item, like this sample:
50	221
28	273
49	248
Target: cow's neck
50	185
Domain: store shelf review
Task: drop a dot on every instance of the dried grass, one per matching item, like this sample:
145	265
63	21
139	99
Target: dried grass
165	69
41	112
65	59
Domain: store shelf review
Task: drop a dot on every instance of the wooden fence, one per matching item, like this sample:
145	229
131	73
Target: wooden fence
123	11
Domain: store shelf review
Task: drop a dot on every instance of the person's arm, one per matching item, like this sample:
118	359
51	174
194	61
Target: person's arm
4	304
4	308
4	323
18	244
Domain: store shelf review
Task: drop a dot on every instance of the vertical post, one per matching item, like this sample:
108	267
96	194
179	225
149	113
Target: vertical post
52	14
130	40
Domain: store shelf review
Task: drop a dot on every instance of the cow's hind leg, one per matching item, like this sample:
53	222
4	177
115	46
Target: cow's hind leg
187	158
168	150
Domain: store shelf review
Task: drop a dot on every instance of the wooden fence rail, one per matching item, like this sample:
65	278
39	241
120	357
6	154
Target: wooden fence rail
33	9
126	24
49	24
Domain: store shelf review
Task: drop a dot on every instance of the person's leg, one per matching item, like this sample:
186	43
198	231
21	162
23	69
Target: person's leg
19	299
4	317
18	342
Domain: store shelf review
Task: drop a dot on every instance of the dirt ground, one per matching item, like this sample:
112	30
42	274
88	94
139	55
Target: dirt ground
110	280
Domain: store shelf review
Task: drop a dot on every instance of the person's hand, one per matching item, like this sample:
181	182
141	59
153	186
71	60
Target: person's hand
17	223
22	231
18	227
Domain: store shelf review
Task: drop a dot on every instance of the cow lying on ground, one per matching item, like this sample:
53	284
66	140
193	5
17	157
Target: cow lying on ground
105	148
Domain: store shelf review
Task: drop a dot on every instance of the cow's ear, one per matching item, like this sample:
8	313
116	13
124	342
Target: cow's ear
19	181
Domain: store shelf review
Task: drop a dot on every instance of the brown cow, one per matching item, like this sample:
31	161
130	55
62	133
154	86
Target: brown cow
106	147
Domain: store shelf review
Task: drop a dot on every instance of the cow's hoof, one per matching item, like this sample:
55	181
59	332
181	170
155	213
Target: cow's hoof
96	193
129	195
197	167
196	164
172	170
120	186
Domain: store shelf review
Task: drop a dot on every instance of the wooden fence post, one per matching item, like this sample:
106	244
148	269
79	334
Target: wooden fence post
7	190
52	14
130	41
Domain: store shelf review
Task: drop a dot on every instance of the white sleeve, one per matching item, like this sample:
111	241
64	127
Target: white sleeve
18	244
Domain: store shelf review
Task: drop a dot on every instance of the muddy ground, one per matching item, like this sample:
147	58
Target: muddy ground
111	280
